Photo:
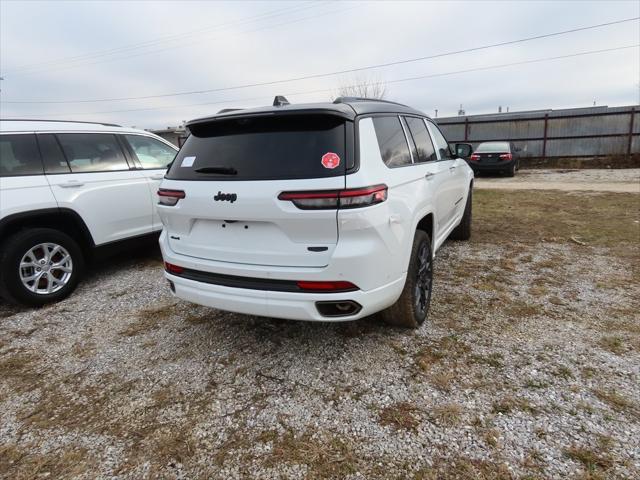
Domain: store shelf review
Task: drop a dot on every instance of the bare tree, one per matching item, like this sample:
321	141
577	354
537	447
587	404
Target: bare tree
362	86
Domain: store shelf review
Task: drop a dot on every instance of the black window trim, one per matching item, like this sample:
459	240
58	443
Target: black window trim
55	139
118	141
430	138
39	155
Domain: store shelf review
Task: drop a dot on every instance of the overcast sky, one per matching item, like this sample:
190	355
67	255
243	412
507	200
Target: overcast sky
70	51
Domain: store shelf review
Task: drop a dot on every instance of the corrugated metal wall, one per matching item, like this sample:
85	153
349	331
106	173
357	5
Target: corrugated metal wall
581	132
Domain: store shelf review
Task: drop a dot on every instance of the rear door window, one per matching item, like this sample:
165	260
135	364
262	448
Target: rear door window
426	152
19	155
151	153
440	142
92	152
263	148
392	141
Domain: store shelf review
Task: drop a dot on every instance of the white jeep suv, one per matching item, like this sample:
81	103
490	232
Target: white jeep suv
328	211
65	188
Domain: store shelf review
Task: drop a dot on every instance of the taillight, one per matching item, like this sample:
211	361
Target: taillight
330	199
170	197
506	156
337	286
171	268
475	157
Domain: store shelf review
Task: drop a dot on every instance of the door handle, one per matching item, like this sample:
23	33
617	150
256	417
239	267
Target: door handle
72	184
453	167
429	175
157	176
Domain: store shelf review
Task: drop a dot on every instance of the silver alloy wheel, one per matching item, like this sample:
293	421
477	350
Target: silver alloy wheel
45	268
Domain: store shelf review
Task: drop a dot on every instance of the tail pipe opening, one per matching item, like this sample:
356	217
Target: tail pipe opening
338	308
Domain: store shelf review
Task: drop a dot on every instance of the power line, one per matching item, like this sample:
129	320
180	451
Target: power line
399	80
164	49
328	74
160	40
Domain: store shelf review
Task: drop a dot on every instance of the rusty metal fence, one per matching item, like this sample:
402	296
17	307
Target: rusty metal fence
584	132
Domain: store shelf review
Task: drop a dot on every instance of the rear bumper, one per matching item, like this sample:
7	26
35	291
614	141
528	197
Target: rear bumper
278	304
289	305
486	167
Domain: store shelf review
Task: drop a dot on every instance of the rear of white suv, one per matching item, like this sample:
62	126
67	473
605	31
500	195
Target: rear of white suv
308	212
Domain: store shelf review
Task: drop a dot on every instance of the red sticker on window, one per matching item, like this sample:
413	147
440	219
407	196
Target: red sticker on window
330	160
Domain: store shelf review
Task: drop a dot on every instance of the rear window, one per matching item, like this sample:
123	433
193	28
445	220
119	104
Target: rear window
493	147
263	148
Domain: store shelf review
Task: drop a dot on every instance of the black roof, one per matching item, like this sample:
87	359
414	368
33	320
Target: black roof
346	107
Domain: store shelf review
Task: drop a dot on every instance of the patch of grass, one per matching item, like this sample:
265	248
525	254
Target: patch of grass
148	319
450	348
463	468
20	368
535	384
494	359
624	320
592	460
83	349
442	380
604	219
400	416
492	437
326	456
510	403
563	372
613	343
521	309
198	319
23	463
537	290
447	414
616	401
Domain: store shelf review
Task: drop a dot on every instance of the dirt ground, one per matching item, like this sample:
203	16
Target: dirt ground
599	180
529	367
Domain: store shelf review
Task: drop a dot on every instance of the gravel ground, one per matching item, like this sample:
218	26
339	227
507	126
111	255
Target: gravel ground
603	180
528	368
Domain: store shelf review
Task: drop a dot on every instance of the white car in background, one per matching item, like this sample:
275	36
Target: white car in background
65	189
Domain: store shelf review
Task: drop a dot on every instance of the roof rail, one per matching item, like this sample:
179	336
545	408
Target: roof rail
226	110
364	99
58	121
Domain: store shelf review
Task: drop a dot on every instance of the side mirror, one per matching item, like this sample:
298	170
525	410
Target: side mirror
464	150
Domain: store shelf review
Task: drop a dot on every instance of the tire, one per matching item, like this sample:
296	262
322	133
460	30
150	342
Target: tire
511	171
411	309
51	254
463	231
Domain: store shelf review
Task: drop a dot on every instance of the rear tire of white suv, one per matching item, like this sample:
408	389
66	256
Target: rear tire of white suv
39	266
463	231
412	307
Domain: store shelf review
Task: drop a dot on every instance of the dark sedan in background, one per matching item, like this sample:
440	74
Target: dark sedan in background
495	157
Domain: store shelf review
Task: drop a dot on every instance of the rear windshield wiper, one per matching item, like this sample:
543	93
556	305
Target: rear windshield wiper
218	170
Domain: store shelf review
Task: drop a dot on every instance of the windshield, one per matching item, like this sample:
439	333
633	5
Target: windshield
263	148
493	147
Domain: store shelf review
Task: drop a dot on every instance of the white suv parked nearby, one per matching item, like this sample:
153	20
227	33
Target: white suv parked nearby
329	211
65	188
